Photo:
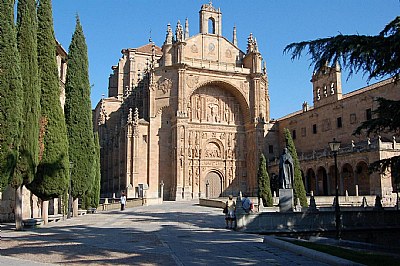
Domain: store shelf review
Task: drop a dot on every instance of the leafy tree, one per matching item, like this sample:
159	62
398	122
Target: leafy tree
52	175
10	94
78	114
375	56
264	187
298	186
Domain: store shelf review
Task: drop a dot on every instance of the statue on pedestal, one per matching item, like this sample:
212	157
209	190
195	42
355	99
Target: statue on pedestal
286	170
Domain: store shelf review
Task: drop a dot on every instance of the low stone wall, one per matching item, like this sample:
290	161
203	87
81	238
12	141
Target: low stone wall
216	203
115	205
275	222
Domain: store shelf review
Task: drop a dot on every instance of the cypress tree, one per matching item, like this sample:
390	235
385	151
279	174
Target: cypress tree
27	46
264	184
10	94
28	150
52	175
298	187
78	114
97	172
91	198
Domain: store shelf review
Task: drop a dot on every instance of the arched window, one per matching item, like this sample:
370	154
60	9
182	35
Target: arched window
211	26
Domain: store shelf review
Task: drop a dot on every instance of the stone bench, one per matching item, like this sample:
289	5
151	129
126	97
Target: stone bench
91	210
55	217
32	222
82	212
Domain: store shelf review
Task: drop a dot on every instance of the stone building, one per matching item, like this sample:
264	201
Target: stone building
336	116
187	119
191	118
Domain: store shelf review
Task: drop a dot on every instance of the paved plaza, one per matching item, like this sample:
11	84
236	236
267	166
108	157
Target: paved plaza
174	233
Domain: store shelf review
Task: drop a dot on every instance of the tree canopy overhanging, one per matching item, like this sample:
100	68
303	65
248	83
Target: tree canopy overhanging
375	56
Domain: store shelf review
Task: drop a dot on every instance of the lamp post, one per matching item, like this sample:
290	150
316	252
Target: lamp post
335	146
207	189
71	164
162	190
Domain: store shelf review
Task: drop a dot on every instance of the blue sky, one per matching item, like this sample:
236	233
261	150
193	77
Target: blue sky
110	26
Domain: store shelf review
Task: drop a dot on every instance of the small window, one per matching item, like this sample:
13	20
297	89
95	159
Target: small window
353	118
339	122
314	129
271	149
368	114
303	132
294	134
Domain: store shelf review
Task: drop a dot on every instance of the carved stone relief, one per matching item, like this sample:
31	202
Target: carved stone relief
194	49
212	151
165	85
192	81
214	105
211	49
228	53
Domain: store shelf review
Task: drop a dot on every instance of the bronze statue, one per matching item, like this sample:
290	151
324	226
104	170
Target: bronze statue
286	170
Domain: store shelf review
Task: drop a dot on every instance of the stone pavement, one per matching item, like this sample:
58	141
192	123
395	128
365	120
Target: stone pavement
174	233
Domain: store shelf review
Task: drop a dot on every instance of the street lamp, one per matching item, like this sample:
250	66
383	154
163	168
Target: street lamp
207	189
335	146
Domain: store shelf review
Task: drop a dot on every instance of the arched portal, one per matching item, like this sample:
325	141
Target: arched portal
216	136
332	180
310	181
348	179
322	181
362	178
214	183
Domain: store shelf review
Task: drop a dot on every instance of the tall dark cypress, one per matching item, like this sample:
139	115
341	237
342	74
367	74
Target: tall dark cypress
91	199
78	114
10	94
52	175
298	187
27	46
97	172
264	184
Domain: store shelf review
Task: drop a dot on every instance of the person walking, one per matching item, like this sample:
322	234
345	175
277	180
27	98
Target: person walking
123	201
230	212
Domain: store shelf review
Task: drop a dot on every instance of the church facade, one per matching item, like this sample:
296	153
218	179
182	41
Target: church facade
187	119
190	119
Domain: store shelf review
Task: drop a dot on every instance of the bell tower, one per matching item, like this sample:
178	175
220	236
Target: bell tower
327	85
210	20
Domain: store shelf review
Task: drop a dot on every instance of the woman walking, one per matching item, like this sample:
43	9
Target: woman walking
230	212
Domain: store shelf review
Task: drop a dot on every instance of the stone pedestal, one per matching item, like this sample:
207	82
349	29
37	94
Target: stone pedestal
285	200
